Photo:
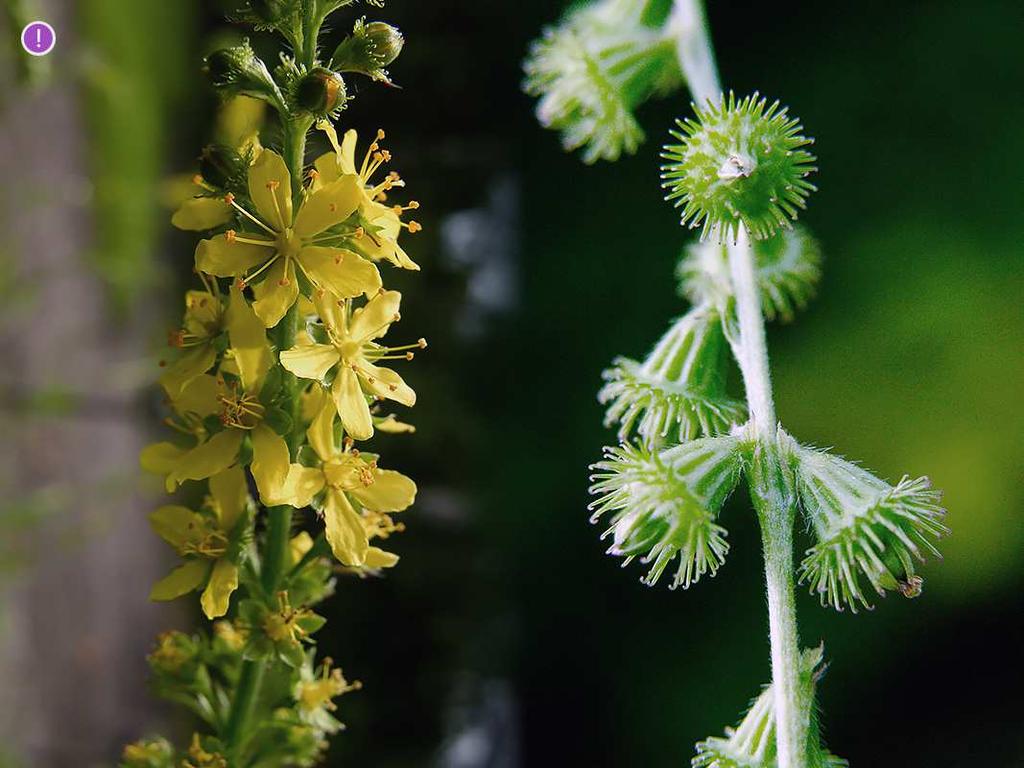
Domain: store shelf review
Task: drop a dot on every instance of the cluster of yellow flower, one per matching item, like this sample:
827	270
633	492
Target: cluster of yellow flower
310	258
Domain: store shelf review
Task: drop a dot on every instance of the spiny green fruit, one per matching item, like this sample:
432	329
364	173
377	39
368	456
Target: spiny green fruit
738	163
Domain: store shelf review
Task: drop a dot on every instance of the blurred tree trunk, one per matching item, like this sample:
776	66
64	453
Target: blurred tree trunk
75	622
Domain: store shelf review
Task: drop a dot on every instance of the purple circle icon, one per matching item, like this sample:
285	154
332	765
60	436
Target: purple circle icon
38	38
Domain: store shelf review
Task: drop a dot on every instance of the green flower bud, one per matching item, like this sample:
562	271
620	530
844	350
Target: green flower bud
221	166
148	753
369	49
238	70
320	91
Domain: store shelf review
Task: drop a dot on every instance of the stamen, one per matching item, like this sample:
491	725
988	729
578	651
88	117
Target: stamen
230	200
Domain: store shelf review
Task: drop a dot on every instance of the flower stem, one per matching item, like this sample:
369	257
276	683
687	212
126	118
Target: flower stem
274	556
770	484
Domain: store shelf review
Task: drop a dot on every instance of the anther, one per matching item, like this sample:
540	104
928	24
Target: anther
229	198
230	235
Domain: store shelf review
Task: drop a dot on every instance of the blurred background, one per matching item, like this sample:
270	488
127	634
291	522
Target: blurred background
506	637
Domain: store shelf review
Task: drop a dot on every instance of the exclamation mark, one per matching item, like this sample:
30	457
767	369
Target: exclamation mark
39	38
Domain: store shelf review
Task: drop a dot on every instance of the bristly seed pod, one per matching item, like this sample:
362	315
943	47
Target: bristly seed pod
320	91
678	393
738	163
864	526
665	504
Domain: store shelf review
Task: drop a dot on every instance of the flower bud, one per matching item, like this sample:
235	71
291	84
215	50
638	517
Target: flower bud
320	91
238	70
369	49
220	165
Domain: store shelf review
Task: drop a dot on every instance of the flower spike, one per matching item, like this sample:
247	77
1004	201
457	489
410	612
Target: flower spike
865	528
678	393
664	504
738	162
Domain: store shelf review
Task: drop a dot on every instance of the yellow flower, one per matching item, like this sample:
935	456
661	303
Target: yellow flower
199	211
209	542
353	352
279	242
240	411
204	322
356	494
380	240
315	693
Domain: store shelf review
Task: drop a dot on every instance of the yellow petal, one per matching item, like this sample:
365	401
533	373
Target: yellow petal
217	595
390	491
183	370
312	400
161	458
331	311
300	544
378	558
199	213
270	461
200	396
321	431
343	273
209	458
226	257
231	493
344	529
248	340
327	167
175	524
391	425
202	313
311	361
299	487
276	294
181	580
270	188
373	320
351	404
384	382
347	153
383	243
329	205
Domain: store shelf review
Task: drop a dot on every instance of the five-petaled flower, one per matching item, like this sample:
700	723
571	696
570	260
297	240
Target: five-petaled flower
208	540
352	353
276	242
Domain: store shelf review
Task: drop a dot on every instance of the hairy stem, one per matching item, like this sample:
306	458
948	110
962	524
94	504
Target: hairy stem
770	485
693	48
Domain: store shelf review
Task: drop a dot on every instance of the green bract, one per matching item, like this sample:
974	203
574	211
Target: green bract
738	163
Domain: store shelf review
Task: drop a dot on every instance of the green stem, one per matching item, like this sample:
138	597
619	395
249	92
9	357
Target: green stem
275	554
771	487
242	708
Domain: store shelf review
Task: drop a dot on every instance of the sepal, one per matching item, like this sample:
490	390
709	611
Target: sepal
238	70
664	504
865	528
678	392
369	50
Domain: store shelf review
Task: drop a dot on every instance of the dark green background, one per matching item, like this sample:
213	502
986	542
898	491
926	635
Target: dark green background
909	361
